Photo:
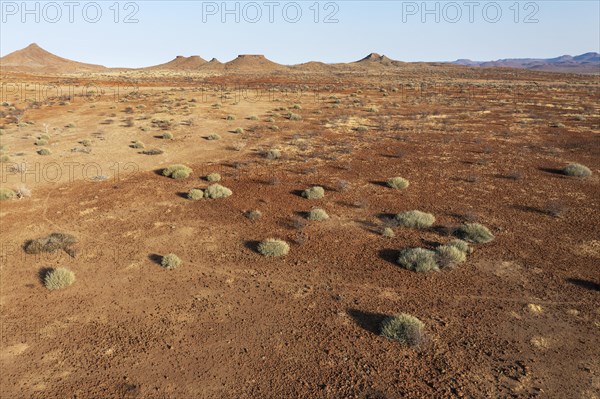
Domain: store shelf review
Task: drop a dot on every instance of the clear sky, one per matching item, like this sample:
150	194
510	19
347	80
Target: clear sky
293	32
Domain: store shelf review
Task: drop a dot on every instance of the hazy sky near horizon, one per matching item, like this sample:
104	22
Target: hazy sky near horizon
143	33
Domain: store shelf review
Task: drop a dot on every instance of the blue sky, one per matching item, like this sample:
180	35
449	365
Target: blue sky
398	29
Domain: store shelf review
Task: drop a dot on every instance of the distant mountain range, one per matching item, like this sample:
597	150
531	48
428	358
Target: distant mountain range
584	63
35	59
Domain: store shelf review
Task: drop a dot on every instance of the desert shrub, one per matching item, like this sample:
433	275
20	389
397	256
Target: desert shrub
577	170
253	215
418	259
415	219
217	191
51	243
170	261
253	117
43	151
461	245
294	117
213	177
177	171
41	142
476	233
239	130
57	279
137	144
230	117
315	192
449	255
362	129
273	247
398	183
270	120
6	194
273	153
388	232
274	128
85	142
317	214
195	194
152	151
167	136
373	109
297	106
213	136
23	192
404	328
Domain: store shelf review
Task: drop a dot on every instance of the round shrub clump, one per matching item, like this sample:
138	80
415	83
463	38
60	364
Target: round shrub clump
57	279
461	246
476	233
167	136
44	151
416	219
253	215
273	154
51	243
404	328
418	259
388	232
577	170
6	194
317	214
213	136
170	261
195	194
398	183
213	177
217	191
272	247
315	192
137	144
177	172
449	255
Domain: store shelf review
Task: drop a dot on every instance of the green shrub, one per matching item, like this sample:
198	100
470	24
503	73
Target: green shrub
170	261
137	144
415	219
273	247
294	117
274	128
362	129
152	151
195	194
373	109
273	154
230	117
315	192
418	259
43	151
253	117
41	142
476	233
577	170
398	183
217	191
57	279
177	171
86	142
461	245
4	158
388	232
449	255
317	214
167	136
404	328
6	194
297	106
213	136
213	177
51	243
239	130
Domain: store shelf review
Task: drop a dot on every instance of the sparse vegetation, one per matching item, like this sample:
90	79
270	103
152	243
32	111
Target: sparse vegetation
195	194
217	191
461	246
415	219
273	153
60	278
6	194
315	192
577	170
404	328
253	215
230	117
398	183
43	151
449	255
153	151
170	261
177	172
418	259
213	136
167	136
41	142
51	243
294	117
388	232
272	247
239	130
475	233
317	214
137	144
